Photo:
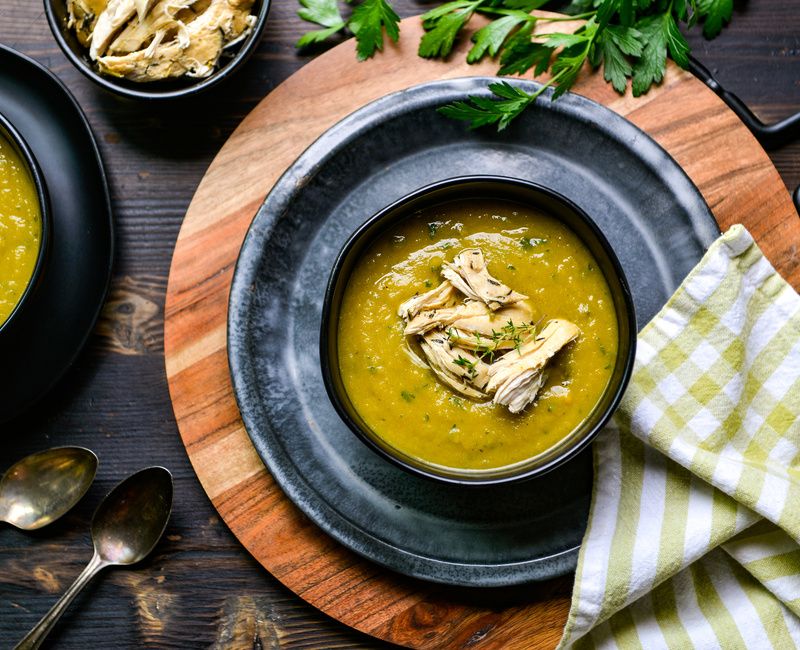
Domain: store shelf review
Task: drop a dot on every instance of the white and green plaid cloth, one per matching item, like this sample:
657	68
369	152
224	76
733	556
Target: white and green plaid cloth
695	520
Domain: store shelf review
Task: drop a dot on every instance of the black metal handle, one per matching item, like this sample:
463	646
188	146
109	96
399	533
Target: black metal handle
770	136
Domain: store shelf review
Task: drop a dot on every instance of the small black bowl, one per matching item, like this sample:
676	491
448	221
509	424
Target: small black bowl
56	11
466	187
11	135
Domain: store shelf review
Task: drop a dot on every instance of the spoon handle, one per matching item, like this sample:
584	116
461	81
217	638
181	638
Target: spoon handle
35	637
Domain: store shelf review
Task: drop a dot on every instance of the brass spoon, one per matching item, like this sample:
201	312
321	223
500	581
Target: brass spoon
125	528
42	487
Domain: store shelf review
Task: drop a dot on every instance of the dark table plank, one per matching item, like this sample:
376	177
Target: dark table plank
201	588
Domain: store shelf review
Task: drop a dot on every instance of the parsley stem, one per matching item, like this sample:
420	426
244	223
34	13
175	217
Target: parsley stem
567	19
552	80
505	12
534	17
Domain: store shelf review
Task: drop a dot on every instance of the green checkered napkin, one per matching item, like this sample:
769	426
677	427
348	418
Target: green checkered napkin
695	521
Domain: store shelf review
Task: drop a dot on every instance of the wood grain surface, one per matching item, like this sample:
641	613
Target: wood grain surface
201	588
735	175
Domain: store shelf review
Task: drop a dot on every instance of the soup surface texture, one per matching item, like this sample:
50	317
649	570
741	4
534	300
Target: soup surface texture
20	228
403	402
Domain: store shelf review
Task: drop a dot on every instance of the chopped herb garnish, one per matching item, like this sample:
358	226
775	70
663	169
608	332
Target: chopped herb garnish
518	334
511	267
457	401
485	352
408	397
372	369
469	365
433	228
530	242
428	284
512	332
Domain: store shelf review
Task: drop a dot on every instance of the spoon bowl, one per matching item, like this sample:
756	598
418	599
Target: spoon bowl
125	529
42	487
131	519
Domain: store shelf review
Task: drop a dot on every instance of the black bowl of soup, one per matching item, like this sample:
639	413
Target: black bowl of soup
24	225
477	331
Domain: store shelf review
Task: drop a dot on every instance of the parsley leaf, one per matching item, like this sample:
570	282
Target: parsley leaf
492	37
556	40
480	111
443	25
368	22
715	14
686	11
318	35
627	39
321	12
650	67
570	60
676	43
429	18
606	10
615	43
625	13
521	54
616	68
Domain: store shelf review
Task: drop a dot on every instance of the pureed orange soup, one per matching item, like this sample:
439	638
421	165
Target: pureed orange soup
398	395
20	228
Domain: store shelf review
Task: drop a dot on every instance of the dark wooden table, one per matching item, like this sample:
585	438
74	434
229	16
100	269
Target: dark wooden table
200	588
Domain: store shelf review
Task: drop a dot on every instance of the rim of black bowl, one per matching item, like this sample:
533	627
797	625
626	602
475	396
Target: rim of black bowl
478	480
18	142
175	88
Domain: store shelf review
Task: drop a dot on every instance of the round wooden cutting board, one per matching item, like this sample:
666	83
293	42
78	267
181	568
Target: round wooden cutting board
720	155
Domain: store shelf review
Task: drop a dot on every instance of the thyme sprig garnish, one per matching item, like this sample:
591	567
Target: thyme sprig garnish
487	346
518	334
469	365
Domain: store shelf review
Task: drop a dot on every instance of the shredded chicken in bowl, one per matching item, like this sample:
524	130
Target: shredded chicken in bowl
150	40
477	335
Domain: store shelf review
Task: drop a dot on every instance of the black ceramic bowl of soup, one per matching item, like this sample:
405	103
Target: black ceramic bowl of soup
24	226
231	60
444	421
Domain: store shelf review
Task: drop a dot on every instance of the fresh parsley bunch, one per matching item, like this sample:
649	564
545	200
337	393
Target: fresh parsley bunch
629	39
